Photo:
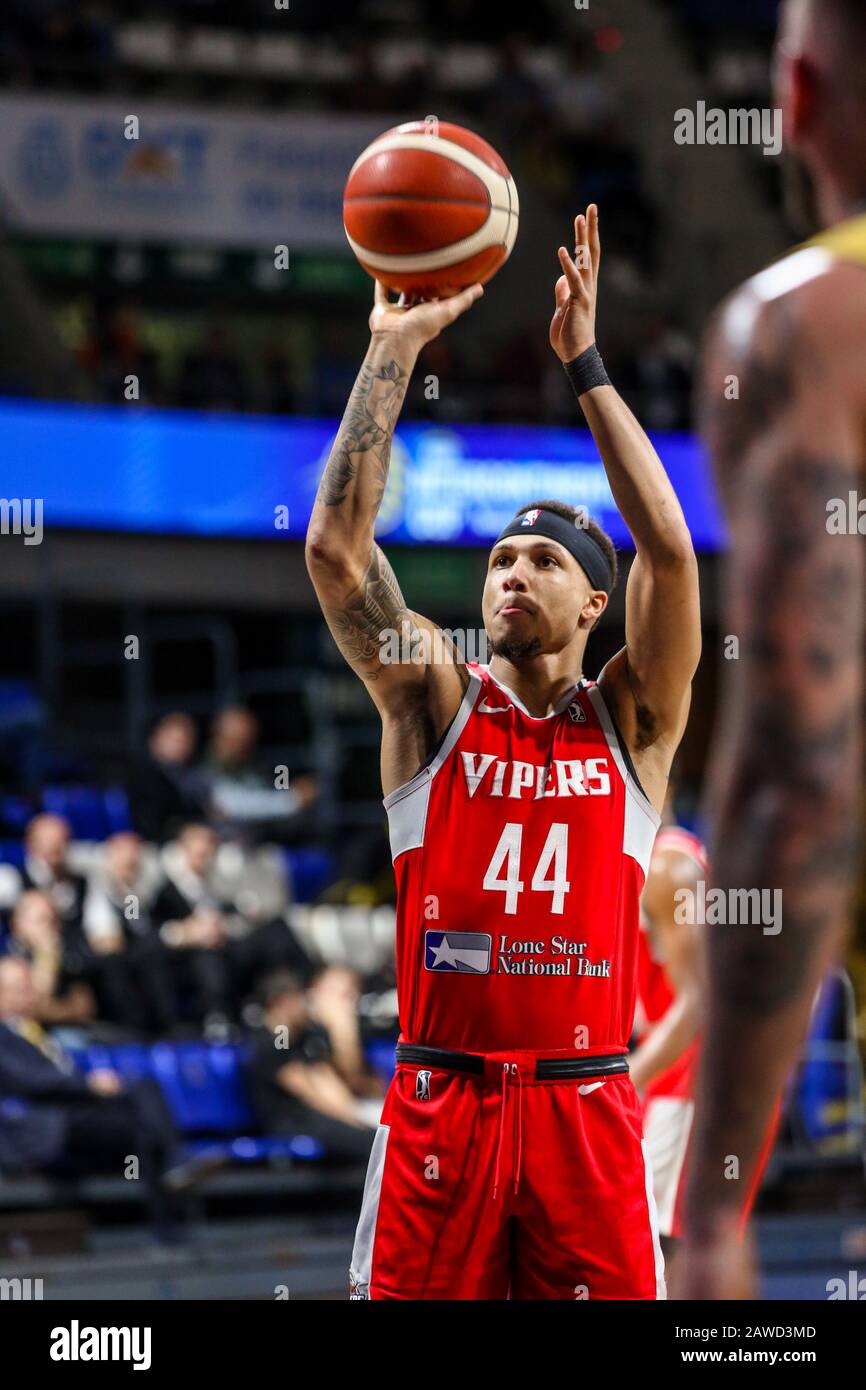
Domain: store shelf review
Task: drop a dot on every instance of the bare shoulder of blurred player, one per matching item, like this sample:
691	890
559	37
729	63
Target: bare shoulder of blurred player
789	444
415	678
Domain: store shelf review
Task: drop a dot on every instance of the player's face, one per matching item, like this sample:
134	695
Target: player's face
534	595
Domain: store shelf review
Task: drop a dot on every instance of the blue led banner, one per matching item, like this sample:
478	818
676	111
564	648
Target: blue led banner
135	469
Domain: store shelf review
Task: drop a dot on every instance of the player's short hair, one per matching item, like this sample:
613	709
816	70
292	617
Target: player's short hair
592	528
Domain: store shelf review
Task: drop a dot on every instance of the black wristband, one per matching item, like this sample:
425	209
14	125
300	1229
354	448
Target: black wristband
586	371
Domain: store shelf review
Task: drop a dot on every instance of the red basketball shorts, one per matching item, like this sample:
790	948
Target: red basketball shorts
502	1185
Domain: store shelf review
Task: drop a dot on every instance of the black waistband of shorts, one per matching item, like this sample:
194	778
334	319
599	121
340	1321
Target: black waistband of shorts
546	1068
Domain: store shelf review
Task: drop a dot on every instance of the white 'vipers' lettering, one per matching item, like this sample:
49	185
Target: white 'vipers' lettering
534	781
475	774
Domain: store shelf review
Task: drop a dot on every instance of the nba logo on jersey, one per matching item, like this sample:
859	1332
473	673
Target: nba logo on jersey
531	517
576	714
463	952
422	1085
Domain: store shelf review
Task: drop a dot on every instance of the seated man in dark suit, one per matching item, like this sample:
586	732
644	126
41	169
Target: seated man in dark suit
131	965
46	866
216	952
55	1118
164	789
296	1089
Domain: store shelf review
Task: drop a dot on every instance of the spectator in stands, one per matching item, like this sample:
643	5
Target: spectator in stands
120	894
334	996
134	979
216	952
193	925
46	866
295	1086
165	791
243	797
62	994
71	1123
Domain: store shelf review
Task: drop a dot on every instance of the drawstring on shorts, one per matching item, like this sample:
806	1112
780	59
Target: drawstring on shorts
517	1126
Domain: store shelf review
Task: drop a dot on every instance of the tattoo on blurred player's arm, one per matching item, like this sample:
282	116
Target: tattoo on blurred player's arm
791	707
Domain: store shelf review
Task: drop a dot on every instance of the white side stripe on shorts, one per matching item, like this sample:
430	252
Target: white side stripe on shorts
362	1253
661	1287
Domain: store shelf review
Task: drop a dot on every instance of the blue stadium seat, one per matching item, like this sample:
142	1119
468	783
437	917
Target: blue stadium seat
93	1057
205	1087
82	807
301	1147
310	871
382	1056
828	1096
117	810
131	1061
16	812
16	695
12	1108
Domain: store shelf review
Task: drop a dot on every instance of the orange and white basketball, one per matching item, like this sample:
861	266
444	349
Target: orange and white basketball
429	208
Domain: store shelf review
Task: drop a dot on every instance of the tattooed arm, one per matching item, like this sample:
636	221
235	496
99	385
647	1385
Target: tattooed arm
785	781
385	643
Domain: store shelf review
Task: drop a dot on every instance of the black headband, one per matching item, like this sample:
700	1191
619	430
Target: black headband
577	541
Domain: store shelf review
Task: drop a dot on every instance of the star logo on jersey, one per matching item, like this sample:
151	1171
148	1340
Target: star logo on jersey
576	714
531	517
458	952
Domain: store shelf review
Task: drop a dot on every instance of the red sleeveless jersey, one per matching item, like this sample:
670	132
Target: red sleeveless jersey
655	995
520	853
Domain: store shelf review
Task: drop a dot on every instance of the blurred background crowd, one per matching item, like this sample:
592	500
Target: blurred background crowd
542	93
196	892
182	925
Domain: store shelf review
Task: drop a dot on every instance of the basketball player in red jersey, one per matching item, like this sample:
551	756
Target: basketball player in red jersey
523	801
669	1005
786	790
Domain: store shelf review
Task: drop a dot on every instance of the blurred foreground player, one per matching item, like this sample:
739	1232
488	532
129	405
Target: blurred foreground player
787	778
523	802
669	1000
